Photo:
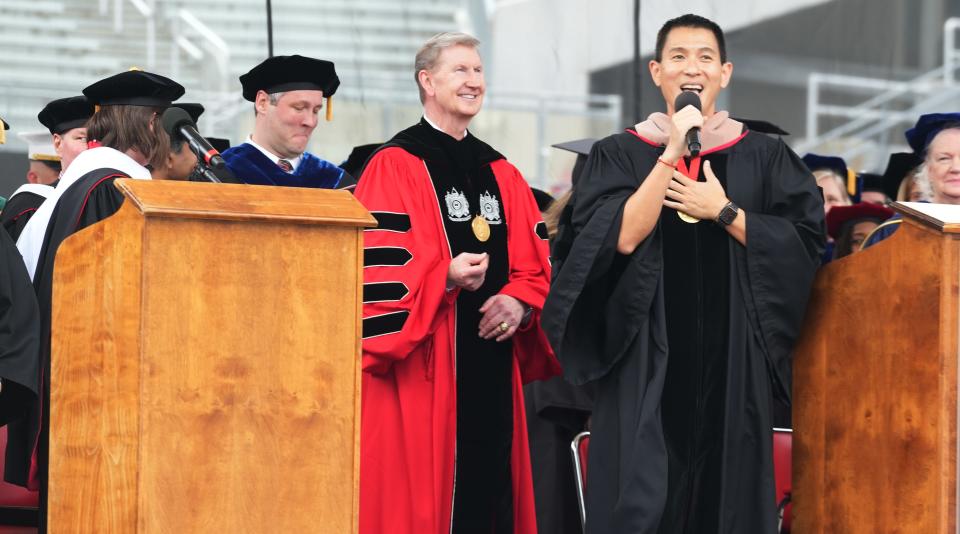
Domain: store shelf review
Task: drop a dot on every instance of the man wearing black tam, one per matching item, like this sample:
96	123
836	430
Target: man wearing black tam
66	119
288	94
681	299
126	137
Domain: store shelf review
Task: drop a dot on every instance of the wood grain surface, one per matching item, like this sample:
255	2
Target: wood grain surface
875	395
217	387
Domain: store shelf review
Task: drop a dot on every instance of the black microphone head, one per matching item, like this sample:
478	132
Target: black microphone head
173	118
687	98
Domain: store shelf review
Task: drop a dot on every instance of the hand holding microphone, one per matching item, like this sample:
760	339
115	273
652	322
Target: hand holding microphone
685	133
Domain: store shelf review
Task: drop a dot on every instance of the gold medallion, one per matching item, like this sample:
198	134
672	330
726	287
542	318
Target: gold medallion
481	228
687	218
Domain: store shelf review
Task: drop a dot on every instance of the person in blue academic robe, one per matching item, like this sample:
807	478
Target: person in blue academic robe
288	93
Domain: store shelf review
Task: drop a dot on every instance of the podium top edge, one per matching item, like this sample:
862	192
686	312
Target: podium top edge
241	202
942	217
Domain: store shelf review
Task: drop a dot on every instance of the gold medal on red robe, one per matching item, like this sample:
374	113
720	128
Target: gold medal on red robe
481	228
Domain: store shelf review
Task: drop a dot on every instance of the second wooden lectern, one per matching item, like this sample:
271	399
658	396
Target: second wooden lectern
875	386
205	363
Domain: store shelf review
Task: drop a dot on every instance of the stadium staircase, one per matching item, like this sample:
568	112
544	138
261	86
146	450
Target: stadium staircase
55	48
866	132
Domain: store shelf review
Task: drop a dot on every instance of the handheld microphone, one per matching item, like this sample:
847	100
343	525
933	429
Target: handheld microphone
684	99
178	122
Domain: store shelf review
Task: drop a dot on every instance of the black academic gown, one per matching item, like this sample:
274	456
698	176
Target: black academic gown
90	199
681	430
18	210
19	334
556	412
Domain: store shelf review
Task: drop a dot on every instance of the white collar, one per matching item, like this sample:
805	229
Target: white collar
431	123
37	189
31	239
295	162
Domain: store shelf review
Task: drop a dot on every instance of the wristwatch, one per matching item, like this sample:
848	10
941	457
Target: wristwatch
728	214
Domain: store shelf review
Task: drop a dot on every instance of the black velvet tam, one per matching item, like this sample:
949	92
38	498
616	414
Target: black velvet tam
194	110
65	114
290	73
134	88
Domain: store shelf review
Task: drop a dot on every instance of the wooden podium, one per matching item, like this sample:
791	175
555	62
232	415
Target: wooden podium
205	363
875	386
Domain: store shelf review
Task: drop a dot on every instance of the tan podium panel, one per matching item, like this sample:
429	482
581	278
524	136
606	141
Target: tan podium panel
875	388
205	363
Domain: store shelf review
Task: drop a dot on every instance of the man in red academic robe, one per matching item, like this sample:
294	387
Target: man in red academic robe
455	276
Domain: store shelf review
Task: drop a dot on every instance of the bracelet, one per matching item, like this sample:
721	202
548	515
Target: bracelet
671	165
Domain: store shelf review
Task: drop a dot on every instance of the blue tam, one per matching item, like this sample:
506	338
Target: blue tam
927	127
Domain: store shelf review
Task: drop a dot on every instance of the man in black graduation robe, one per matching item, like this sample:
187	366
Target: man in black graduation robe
686	327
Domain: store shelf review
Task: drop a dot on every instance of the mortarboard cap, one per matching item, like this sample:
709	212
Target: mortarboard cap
194	110
40	146
756	125
358	158
65	114
927	127
580	146
816	162
857	212
291	73
134	88
899	166
219	143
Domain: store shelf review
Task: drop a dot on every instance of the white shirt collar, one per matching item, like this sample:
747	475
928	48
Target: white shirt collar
431	123
273	157
37	189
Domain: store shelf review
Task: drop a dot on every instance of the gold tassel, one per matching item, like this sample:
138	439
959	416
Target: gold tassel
329	108
3	133
851	182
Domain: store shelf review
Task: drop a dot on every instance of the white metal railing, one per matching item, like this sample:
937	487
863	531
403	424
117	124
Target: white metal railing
183	24
145	8
951	56
896	102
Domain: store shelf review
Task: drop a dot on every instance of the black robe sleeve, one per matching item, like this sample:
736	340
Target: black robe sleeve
17	212
19	334
785	241
600	298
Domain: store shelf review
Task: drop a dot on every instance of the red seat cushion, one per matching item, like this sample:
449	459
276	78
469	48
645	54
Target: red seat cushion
782	469
12	495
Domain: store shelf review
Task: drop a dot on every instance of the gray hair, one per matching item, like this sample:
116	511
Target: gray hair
274	98
430	51
920	178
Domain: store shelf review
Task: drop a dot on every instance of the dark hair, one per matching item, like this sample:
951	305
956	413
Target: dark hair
126	127
691	21
844	245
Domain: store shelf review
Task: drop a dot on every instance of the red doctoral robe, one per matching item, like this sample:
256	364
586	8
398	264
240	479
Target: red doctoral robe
409	407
